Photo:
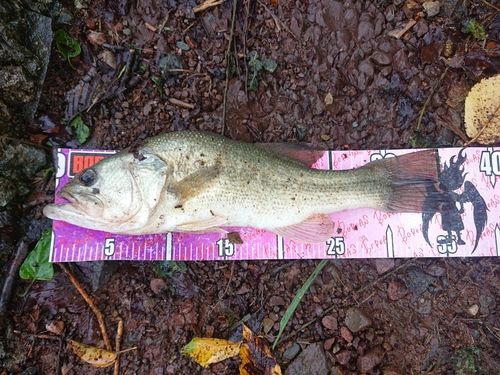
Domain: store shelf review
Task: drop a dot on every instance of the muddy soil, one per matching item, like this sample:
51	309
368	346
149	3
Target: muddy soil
339	75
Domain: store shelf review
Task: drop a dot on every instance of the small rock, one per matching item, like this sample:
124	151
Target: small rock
432	8
276	301
473	309
356	320
381	58
370	359
396	290
312	361
417	281
267	324
96	37
343	357
327	345
346	334
330	322
325	137
291	352
119	115
329	98
384	265
435	270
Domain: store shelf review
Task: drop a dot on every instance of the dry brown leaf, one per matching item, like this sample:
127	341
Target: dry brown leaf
55	327
256	357
482	111
95	356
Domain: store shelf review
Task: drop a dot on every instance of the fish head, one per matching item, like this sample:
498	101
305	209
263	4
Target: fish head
116	195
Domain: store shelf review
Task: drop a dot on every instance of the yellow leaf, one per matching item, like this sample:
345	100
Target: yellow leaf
206	351
95	356
482	111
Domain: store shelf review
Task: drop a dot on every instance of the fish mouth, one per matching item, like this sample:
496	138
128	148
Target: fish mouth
76	204
67	196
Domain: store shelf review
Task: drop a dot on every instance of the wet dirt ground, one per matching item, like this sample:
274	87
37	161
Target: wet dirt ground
338	75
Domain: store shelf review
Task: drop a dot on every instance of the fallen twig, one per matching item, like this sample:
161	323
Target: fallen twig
24	142
208	4
431	94
180	103
278	22
86	297
12	276
228	53
118	339
398	33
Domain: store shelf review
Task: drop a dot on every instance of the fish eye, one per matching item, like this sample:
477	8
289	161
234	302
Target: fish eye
88	178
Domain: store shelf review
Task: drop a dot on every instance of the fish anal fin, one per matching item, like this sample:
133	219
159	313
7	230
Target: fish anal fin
304	153
316	229
194	184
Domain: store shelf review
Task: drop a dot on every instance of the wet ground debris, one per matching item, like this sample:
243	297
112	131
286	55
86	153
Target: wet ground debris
255	356
298	297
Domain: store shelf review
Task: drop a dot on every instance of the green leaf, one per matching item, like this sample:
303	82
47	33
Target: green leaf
298	297
270	65
66	45
476	29
183	46
37	265
82	131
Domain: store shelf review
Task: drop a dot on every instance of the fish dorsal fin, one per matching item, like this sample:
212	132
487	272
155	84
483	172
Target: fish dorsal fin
194	184
305	153
316	229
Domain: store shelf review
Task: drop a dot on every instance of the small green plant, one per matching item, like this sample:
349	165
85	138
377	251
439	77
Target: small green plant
167	268
475	29
82	131
66	45
47	172
37	265
256	65
465	361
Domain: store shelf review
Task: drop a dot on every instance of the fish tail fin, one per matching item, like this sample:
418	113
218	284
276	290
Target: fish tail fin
408	177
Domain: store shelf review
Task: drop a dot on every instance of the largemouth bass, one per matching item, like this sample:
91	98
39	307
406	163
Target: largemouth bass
199	182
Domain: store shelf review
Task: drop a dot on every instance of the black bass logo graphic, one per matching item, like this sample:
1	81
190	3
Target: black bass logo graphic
451	206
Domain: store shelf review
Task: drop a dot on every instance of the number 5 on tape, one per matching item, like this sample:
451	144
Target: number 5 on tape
109	247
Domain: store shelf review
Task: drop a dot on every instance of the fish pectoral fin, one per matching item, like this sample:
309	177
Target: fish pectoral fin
316	229
194	184
203	226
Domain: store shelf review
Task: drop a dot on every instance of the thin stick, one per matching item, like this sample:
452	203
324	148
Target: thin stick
233	21
485	126
431	94
86	297
208	4
277	21
25	142
245	30
181	103
118	342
